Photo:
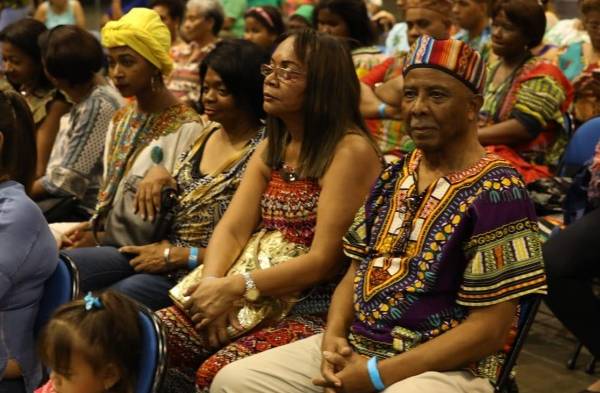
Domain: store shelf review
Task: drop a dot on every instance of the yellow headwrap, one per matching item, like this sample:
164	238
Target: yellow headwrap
142	30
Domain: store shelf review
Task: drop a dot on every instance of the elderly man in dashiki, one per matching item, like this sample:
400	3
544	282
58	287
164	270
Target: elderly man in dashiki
442	251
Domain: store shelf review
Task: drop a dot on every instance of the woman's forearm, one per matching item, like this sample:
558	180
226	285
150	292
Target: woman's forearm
508	132
297	274
221	253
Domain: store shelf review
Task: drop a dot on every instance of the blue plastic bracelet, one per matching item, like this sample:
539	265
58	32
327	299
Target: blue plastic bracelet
374	374
193	258
381	110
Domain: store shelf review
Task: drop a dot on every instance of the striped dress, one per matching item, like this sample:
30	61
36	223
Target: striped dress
290	206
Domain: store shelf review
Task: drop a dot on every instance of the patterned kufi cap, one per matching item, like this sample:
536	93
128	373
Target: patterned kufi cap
444	7
454	57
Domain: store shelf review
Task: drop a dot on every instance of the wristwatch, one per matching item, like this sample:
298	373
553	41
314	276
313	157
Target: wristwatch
252	293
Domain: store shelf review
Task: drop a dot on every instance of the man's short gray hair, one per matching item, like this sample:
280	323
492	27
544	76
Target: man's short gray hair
210	9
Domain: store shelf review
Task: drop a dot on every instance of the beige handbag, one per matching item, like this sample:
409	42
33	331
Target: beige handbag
263	250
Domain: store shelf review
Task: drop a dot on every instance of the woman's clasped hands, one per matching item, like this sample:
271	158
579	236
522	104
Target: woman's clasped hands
213	306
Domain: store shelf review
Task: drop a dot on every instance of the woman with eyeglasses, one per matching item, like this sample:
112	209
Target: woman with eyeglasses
306	180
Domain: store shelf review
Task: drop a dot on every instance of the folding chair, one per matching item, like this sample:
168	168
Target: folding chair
153	357
529	306
581	147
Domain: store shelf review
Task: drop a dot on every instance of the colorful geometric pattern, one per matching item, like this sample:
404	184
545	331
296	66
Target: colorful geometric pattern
452	56
470	239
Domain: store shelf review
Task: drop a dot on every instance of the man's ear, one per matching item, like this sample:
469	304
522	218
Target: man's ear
110	376
475	103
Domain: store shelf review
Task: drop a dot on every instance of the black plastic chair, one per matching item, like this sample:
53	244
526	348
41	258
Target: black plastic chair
529	306
153	357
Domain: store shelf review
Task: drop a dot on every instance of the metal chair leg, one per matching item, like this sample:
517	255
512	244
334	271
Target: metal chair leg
571	363
591	366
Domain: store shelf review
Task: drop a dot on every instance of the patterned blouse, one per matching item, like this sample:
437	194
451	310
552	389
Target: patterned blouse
291	207
75	164
469	240
204	198
184	81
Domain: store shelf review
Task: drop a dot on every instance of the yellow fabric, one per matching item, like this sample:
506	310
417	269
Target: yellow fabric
142	30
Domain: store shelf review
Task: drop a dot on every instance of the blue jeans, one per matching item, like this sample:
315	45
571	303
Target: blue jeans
106	267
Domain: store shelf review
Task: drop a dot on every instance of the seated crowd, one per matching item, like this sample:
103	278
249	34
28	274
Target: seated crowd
309	197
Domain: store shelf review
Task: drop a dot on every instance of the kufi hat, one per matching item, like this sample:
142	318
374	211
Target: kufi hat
453	57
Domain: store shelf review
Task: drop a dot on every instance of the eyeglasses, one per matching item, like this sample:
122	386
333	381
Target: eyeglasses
284	74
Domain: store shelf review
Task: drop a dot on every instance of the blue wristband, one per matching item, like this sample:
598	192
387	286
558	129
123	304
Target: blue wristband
374	374
193	258
381	110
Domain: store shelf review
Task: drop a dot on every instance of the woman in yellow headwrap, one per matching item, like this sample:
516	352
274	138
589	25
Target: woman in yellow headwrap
155	129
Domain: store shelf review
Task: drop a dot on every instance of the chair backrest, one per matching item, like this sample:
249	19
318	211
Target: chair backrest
153	357
60	288
528	309
581	147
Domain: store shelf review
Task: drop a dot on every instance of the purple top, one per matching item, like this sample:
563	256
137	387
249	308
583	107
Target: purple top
469	240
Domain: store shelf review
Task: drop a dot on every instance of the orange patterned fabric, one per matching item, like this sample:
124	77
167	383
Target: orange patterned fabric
291	207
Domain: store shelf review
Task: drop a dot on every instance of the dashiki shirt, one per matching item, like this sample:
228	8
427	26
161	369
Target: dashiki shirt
136	141
537	94
203	198
184	81
482	43
287	205
469	240
75	164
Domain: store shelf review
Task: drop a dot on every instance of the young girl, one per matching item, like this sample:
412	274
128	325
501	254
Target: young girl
92	345
263	26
